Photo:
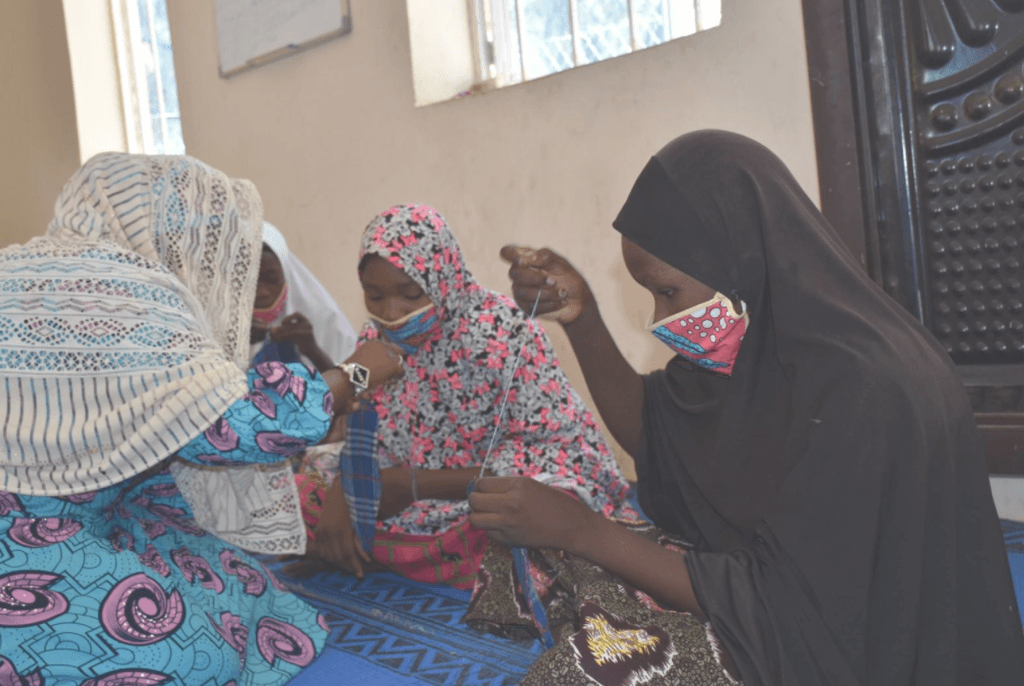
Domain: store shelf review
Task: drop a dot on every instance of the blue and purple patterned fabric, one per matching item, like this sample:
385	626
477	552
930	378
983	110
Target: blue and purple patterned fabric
119	586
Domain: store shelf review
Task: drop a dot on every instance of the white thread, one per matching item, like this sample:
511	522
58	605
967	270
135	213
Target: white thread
508	389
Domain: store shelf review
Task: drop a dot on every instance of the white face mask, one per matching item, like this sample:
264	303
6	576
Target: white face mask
708	334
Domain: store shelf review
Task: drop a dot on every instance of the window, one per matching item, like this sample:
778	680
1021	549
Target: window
148	87
521	40
460	47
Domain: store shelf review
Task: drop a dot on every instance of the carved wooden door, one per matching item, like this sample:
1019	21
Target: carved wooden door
926	98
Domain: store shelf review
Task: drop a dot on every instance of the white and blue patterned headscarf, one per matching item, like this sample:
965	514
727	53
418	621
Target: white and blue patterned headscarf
124	333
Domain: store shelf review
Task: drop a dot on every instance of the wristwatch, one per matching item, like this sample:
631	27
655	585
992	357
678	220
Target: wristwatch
357	374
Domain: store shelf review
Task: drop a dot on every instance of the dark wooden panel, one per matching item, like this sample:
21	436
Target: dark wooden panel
1004	442
834	111
925	98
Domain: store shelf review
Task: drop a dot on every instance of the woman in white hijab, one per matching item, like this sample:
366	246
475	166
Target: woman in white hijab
131	431
294	314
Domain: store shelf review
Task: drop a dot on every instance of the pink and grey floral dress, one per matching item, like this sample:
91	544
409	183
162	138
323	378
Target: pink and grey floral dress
442	413
119	586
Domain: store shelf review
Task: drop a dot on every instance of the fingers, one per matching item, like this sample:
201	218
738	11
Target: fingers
523	256
289	329
515	254
348	556
487	503
529	277
550	299
487	521
352	564
393	350
306	566
362	553
495	484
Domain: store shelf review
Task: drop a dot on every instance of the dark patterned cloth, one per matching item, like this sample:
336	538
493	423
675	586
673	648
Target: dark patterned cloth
606	632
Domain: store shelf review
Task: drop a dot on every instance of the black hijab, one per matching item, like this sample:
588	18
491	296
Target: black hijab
835	485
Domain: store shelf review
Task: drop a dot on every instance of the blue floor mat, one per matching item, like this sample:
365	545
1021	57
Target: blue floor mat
1013	533
387	629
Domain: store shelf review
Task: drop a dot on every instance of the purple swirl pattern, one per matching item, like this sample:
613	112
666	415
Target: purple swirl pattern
276	639
79	498
174	517
9	503
195	567
10	677
127	677
138	611
274	581
276	375
253	582
43	532
121	540
262	402
24	600
233	631
153	528
221	436
277	443
152	559
166	490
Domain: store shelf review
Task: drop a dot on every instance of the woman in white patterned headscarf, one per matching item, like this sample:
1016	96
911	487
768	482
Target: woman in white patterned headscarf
124	335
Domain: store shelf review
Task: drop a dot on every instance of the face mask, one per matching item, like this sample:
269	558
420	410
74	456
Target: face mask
414	324
265	317
708	335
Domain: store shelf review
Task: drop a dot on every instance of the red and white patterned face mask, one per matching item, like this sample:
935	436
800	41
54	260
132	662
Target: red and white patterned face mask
263	318
708	334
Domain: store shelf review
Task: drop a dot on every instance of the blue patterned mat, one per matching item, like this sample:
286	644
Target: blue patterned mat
1013	533
389	630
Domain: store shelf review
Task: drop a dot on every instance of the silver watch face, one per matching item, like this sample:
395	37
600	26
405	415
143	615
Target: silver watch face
359	375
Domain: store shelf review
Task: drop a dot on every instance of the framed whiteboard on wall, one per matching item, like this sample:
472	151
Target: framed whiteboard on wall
251	33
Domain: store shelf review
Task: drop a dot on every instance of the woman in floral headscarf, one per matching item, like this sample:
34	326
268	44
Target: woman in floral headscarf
435	427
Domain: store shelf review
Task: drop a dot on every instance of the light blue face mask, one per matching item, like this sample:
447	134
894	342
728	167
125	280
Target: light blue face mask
414	324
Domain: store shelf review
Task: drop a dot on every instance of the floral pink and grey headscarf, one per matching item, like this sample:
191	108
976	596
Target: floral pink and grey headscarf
442	413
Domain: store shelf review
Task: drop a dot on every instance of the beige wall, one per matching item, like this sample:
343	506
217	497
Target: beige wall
38	141
331	138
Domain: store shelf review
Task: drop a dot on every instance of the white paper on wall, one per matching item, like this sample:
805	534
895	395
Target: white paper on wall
251	33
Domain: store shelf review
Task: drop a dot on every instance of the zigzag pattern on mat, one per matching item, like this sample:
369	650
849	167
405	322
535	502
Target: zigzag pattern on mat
413	630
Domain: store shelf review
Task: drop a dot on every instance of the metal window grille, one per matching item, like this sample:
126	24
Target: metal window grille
148	86
521	40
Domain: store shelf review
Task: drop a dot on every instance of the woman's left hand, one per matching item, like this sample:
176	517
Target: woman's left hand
335	540
519	511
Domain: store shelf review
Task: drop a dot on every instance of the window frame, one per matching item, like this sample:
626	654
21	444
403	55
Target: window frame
500	56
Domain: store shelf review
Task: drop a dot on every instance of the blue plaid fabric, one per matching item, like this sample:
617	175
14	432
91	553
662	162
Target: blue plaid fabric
359	473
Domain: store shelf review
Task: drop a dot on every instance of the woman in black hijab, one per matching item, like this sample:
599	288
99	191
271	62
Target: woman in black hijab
828	472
